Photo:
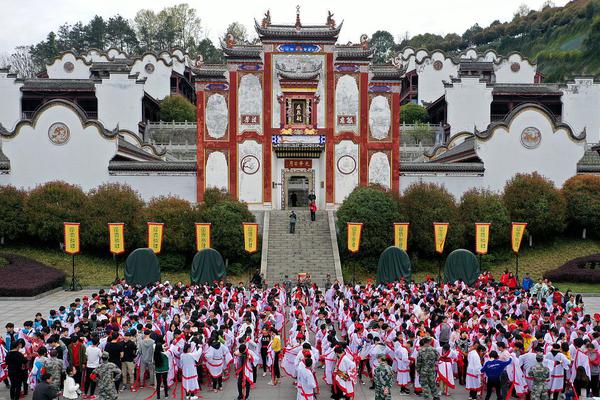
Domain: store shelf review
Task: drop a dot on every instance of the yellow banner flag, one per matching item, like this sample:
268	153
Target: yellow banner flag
155	236
401	235
116	237
517	231
440	230
482	237
354	232
202	236
71	237
250	237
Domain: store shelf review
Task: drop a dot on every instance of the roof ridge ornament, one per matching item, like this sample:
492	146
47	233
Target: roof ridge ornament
330	21
266	20
364	41
298	23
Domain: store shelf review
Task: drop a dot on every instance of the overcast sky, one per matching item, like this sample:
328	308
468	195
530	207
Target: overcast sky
26	22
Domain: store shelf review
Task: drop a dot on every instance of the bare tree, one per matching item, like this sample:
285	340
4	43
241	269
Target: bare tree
20	62
522	11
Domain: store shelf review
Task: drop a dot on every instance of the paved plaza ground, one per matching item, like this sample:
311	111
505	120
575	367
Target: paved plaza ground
18	311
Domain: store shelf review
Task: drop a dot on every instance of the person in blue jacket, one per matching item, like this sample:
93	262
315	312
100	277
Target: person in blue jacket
493	370
527	283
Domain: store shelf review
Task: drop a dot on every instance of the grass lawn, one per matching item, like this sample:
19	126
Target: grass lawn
90	270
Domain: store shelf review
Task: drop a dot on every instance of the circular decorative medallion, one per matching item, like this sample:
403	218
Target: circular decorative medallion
515	67
531	137
250	164
346	165
59	133
437	65
149	68
69	67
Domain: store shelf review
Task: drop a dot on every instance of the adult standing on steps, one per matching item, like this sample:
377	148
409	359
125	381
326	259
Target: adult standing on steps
313	210
293	219
312	197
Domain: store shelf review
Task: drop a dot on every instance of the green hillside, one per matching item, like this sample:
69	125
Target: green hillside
565	41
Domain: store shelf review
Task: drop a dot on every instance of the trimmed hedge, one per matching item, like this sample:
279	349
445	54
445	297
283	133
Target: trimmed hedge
24	277
583	269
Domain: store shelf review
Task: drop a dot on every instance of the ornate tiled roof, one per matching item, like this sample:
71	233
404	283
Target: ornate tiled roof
58	84
243	51
526	88
466	65
386	72
299	73
171	166
475	167
303	32
353	52
210	72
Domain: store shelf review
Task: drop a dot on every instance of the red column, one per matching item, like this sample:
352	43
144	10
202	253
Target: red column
199	146
233	162
329	125
267	88
363	175
395	175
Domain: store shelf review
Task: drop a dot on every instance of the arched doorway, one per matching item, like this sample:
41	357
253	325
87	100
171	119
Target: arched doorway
296	188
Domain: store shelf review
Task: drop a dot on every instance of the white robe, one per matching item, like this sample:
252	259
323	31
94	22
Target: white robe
306	383
217	360
580	359
473	381
402	365
560	364
347	367
189	375
288	365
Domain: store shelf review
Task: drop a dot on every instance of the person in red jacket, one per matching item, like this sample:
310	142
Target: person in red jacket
511	281
313	210
504	278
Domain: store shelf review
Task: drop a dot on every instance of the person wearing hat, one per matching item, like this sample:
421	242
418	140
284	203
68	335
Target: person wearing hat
383	377
538	375
107	374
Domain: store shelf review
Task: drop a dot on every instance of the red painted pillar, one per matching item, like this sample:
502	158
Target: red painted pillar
395	175
267	88
329	126
363	175
233	162
199	145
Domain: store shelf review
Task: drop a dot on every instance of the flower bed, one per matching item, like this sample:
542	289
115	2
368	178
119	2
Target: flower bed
24	277
583	269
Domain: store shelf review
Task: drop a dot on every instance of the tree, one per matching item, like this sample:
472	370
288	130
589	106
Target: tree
383	43
102	211
179	217
412	113
426	203
238	31
209	52
13	223
177	108
533	199
226	218
21	62
177	26
95	33
188	26
49	206
120	34
44	51
377	209
146	27
522	11
582	193
480	205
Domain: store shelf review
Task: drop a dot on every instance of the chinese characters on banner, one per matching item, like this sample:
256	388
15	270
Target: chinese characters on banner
116	237
71	237
155	236
346	120
401	235
250	119
202	236
303	164
354	232
440	230
517	231
482	237
250	237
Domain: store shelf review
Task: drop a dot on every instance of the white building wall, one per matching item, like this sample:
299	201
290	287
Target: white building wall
469	102
152	185
59	70
250	172
158	79
581	104
525	73
120	102
455	184
10	100
431	81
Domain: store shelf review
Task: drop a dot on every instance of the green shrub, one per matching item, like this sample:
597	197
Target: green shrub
179	217
13	223
426	203
172	262
177	108
485	206
113	202
377	209
412	113
49	206
533	199
582	193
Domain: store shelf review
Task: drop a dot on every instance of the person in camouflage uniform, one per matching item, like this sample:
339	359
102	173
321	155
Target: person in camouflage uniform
55	368
540	374
383	377
426	367
106	376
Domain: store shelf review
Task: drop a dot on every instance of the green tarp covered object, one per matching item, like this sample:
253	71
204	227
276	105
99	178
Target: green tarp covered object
461	265
142	267
393	265
207	267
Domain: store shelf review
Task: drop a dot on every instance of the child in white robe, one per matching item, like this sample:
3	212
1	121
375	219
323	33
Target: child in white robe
189	376
218	359
306	380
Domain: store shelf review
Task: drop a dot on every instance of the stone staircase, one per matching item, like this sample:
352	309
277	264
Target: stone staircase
309	250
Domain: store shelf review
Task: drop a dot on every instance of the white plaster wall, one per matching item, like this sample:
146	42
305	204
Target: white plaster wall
155	185
469	103
56	70
431	81
346	102
344	182
250	102
380	117
34	159
250	185
217	116
455	184
504	156
504	74
581	104
120	102
10	101
379	169
158	83
217	171
95	56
